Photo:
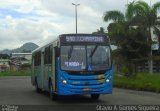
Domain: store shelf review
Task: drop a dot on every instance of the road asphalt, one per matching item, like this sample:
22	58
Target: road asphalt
19	91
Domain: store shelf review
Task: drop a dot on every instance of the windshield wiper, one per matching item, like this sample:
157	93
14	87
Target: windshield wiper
70	52
93	51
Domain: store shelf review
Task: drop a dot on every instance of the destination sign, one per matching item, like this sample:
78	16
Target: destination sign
84	39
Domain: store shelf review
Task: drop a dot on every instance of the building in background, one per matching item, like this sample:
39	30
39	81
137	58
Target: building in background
4	65
20	60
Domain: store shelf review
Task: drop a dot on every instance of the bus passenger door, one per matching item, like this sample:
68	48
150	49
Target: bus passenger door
32	72
42	69
54	79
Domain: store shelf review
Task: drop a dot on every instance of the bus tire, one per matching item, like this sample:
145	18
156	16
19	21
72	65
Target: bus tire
52	95
38	90
95	96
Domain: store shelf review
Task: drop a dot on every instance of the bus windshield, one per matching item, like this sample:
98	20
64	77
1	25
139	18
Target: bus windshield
85	58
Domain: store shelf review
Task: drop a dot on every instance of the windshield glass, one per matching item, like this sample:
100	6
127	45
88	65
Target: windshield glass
73	58
98	57
88	58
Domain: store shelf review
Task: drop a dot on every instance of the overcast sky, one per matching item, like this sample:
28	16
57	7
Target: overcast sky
39	21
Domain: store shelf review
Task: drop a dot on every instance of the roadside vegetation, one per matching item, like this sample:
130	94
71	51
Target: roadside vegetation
16	73
141	81
131	33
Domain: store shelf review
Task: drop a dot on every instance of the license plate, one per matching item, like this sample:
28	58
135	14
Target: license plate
87	89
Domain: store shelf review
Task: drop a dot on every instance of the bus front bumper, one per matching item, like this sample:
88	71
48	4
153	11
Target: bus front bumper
74	90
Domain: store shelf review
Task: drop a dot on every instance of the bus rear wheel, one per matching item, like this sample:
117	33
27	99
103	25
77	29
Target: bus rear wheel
95	96
52	95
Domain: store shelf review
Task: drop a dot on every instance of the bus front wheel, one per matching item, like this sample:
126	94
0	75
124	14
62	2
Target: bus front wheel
95	96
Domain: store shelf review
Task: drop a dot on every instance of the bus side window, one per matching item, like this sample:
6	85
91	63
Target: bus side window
57	51
50	54
46	55
37	58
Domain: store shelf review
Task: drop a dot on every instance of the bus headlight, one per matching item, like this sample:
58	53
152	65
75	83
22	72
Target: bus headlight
107	80
64	82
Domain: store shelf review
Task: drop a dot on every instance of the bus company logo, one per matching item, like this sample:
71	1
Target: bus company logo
101	76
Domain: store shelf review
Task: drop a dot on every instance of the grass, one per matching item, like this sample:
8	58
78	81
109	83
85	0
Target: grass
16	73
142	81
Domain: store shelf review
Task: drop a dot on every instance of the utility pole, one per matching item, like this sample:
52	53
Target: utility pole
76	14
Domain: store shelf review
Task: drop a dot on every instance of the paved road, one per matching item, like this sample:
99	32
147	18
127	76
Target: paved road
19	91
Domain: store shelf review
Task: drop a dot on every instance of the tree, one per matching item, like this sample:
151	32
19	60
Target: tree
132	47
4	56
130	39
121	23
145	17
138	14
100	31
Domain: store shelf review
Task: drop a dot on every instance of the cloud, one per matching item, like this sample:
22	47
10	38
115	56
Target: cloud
25	30
39	21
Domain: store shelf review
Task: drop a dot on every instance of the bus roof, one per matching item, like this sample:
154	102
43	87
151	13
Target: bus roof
45	44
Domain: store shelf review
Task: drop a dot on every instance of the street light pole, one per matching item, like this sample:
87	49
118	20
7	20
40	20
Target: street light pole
76	14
